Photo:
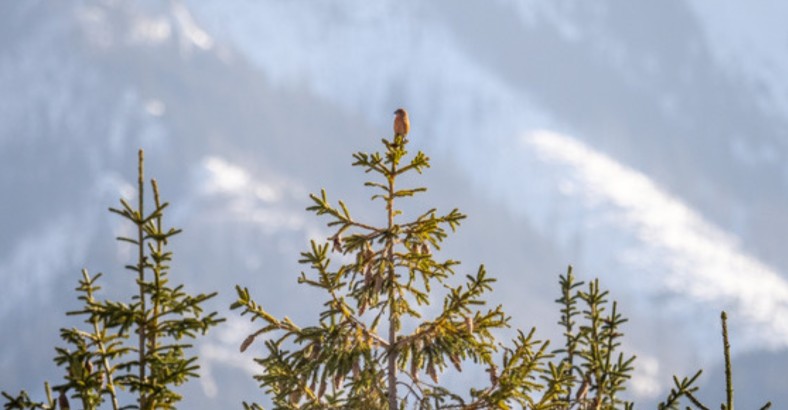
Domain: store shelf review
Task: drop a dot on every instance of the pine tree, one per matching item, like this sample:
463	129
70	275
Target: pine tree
592	371
138	345
372	346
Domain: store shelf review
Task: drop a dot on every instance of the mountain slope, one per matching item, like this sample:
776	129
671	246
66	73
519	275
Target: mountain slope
569	133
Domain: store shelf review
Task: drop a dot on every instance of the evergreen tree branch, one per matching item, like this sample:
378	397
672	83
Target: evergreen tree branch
727	353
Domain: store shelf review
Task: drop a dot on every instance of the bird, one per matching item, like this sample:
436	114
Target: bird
401	122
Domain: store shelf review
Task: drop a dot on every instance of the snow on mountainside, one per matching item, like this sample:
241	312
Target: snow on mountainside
673	249
83	85
369	57
470	106
46	134
646	177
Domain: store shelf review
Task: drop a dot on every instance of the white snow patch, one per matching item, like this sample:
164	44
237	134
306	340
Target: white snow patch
676	248
155	107
265	203
225	177
189	29
151	30
646	378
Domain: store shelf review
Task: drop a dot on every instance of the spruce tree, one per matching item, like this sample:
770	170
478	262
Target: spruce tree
372	346
139	345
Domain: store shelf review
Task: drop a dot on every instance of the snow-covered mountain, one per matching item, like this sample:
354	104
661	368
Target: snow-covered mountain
640	142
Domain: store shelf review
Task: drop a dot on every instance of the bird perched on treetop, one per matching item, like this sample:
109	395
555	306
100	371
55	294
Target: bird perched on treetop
401	122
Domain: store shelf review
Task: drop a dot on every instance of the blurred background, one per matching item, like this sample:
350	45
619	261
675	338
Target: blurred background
642	142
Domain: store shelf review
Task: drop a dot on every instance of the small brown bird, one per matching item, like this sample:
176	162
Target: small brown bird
401	122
